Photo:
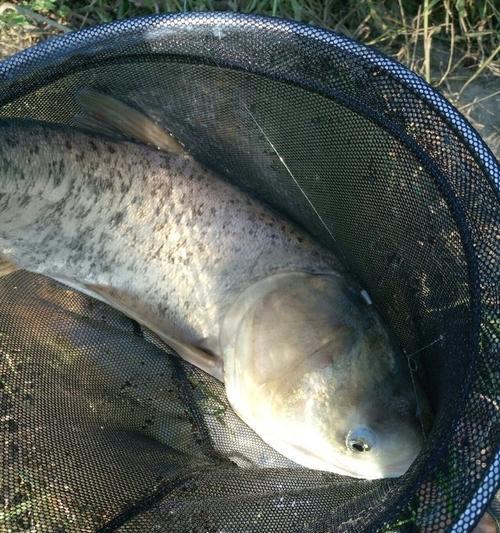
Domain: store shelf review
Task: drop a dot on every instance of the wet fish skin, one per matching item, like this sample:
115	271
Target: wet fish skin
175	247
115	214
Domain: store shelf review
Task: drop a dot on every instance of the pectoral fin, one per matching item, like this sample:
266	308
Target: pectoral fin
7	266
105	113
209	344
210	363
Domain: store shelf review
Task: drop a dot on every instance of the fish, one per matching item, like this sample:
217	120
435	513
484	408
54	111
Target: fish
234	287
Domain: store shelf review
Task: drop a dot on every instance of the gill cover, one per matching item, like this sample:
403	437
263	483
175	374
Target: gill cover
281	326
309	366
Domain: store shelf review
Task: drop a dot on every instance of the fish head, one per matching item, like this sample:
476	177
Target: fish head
310	367
361	416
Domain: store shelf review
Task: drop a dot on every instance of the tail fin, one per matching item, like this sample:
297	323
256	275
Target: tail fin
105	113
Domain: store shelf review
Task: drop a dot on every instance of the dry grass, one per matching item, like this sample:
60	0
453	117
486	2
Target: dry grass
453	44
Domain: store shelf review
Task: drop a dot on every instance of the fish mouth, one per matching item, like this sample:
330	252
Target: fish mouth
310	459
373	471
399	468
322	456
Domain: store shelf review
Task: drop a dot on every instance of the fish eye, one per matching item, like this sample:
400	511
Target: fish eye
360	440
359	446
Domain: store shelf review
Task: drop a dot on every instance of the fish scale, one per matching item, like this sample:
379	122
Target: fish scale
231	285
121	215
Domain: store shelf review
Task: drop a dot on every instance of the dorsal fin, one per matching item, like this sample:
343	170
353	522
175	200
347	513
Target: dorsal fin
103	112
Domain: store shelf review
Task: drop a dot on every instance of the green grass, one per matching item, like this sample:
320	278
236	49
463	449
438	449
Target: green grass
465	31
453	44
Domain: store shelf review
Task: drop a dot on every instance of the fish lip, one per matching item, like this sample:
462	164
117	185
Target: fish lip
382	472
399	468
391	470
311	460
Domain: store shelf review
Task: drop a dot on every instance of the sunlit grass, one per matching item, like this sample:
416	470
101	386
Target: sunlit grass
445	41
453	44
468	30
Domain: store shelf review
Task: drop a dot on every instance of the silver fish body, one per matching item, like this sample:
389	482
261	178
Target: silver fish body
179	240
231	285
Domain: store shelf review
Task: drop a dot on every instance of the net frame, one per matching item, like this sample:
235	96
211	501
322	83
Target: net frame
50	54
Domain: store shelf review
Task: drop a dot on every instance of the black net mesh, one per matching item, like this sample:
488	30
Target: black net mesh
104	429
